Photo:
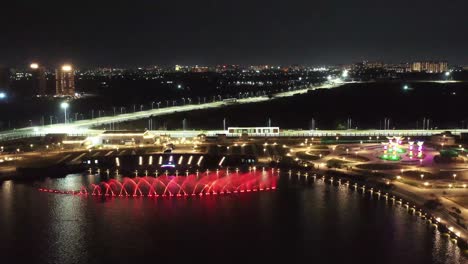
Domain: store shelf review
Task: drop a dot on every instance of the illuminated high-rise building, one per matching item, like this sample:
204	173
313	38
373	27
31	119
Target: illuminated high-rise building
65	81
39	82
429	66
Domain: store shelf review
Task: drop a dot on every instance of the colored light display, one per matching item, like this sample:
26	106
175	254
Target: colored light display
212	183
392	148
419	153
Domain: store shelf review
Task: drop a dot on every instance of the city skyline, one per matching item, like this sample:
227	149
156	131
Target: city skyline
372	64
210	33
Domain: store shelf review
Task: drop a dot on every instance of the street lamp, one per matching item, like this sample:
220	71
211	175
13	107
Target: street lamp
64	106
454	176
422	177
344	74
67	68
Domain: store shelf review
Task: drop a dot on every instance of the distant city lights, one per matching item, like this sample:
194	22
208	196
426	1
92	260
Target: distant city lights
345	74
67	68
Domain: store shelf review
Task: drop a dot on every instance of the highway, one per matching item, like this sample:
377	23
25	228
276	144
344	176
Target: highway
87	127
84	127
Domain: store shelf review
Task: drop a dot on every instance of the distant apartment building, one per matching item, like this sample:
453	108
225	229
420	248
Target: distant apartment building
38	76
374	64
398	67
200	69
65	81
429	66
261	67
365	65
224	68
4	78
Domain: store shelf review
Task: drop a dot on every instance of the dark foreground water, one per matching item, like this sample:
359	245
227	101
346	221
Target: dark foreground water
317	223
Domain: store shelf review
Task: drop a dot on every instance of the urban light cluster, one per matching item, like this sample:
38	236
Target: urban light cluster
67	68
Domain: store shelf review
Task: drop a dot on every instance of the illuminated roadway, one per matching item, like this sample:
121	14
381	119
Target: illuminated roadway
85	127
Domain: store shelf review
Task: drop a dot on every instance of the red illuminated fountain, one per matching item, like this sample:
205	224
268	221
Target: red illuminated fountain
208	183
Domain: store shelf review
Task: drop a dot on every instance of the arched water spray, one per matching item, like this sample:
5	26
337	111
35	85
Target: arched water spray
212	183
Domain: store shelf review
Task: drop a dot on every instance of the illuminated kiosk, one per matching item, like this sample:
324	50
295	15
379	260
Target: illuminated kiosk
253	131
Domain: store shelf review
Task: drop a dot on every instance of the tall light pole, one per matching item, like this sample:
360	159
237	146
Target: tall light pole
64	106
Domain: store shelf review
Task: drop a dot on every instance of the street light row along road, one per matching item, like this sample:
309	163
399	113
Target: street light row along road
84	127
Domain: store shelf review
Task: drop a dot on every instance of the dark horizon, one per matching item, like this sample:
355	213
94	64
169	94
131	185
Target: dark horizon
109	33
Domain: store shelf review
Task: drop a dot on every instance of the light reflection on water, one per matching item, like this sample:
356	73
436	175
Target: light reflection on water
295	222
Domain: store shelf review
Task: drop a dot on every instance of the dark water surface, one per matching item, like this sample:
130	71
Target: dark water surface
317	223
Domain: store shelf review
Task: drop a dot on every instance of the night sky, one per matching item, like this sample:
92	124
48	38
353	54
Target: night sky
143	32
